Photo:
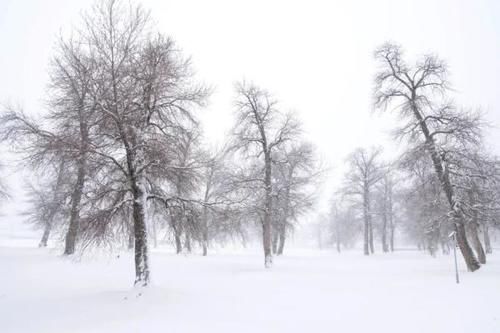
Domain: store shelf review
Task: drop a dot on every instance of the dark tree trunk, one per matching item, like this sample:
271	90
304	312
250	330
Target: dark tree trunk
275	241
267	223
140	235
476	242
74	220
487	242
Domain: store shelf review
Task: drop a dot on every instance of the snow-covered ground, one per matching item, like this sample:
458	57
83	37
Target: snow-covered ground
306	291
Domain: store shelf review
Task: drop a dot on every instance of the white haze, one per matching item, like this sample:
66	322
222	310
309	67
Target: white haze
315	56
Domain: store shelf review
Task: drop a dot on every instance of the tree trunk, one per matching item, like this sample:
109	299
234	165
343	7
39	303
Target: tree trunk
74	220
266	225
205	231
487	242
187	242
45	236
459	220
155	236
275	241
476	242
366	218
392	227
178	243
372	246
391	242
385	247
140	235
282	238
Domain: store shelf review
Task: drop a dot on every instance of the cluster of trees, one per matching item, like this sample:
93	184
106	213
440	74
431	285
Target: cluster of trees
119	154
444	184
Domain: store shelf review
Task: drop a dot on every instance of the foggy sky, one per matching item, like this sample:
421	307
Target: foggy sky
315	56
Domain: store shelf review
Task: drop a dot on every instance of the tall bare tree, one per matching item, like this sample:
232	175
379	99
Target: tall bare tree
148	95
259	130
416	92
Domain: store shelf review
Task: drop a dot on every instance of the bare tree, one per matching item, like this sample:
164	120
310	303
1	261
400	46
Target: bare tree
294	178
364	172
415	92
145	97
259	130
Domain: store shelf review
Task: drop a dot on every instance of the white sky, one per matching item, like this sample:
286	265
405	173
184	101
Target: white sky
315	56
